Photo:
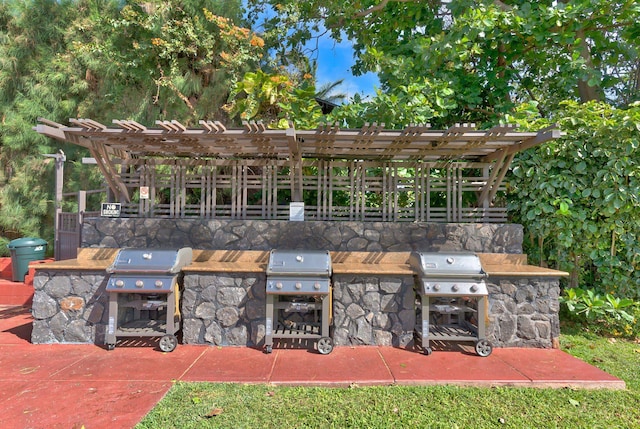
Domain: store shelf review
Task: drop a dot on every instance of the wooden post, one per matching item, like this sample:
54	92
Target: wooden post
59	183
82	208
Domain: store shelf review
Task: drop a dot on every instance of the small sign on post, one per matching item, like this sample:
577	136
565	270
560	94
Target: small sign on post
296	211
110	210
144	192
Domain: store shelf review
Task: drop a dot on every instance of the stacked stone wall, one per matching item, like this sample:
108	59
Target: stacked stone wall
312	235
229	309
523	312
224	309
69	307
373	310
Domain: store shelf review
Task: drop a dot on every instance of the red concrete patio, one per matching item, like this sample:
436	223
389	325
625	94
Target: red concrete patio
71	386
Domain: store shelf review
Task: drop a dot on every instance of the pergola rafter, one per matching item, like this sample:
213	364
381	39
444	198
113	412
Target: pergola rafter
211	147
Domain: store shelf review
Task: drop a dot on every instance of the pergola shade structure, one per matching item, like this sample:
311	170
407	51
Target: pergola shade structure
370	174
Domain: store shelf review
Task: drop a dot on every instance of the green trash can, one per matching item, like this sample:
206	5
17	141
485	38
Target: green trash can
23	251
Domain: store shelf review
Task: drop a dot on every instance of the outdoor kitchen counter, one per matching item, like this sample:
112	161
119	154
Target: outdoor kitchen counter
514	265
397	263
228	261
255	261
374	263
89	259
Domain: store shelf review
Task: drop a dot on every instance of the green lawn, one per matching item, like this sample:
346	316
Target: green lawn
208	405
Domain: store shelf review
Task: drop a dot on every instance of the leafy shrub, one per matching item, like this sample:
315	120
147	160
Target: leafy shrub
602	314
578	197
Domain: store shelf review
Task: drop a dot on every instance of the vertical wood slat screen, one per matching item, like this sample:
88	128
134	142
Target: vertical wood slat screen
356	190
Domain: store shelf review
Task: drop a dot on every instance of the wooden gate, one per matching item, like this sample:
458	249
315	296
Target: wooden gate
68	234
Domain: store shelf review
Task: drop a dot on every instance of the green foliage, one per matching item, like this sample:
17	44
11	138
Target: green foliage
275	99
163	59
580	195
605	315
419	102
105	60
35	80
592	305
490	54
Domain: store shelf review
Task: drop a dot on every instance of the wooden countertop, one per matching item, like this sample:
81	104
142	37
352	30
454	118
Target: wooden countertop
503	264
383	263
229	261
89	259
255	261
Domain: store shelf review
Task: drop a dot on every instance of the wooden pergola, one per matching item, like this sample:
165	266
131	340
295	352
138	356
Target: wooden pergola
414	174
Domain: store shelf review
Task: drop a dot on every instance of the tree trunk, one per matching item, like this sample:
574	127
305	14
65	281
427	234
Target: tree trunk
586	91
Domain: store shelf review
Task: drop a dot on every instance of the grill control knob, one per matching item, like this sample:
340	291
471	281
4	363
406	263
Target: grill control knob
317	286
298	285
436	287
279	285
159	283
119	283
474	288
450	260
139	283
299	258
455	288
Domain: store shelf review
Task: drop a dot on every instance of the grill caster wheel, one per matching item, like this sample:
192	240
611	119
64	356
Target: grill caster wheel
484	348
427	351
111	346
268	349
325	345
168	343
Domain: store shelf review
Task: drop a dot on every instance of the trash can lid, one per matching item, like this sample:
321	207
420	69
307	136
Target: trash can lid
26	242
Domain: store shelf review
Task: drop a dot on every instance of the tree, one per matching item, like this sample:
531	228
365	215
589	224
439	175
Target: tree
164	59
104	59
35	81
275	100
491	54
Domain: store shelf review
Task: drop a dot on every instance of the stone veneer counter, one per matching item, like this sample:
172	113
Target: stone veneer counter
224	299
70	302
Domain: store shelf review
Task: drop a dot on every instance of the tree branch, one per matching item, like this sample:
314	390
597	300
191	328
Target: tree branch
378	7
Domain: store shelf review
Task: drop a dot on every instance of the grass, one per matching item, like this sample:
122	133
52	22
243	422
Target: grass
209	405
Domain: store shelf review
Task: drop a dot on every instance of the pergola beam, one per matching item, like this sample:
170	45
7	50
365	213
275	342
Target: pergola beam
129	143
109	171
541	137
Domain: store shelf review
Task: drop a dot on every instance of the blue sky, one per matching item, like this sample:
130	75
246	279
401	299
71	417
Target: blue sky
334	63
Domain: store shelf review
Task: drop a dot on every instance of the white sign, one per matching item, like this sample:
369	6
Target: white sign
144	192
296	211
110	210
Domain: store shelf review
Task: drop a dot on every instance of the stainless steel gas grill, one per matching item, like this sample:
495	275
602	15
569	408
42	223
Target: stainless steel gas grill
144	295
453	295
299	297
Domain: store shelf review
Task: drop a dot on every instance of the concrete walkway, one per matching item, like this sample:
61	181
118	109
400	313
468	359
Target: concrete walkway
71	386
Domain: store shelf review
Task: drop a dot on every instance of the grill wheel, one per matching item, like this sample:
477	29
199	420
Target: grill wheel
483	348
325	345
168	343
